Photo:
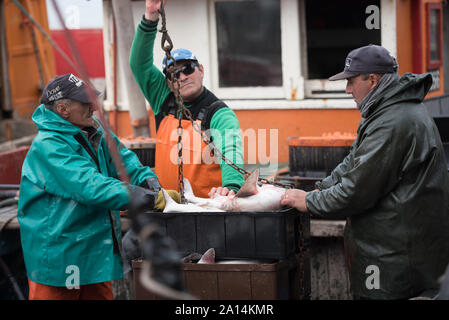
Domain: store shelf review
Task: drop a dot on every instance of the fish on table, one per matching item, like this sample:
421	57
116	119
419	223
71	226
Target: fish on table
250	197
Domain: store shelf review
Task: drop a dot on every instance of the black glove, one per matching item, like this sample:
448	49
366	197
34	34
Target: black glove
141	200
157	248
152	183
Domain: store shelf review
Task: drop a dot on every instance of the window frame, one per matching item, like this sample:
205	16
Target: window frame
292	82
435	64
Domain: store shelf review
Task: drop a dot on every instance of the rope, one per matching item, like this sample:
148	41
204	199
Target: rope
116	158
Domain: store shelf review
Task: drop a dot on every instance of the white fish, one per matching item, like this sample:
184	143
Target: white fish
172	206
250	198
208	257
240	262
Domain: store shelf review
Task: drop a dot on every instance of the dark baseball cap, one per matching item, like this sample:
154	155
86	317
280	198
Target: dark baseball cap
368	59
67	86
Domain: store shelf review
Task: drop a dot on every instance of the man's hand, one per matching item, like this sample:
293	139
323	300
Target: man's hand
220	191
142	199
295	198
151	9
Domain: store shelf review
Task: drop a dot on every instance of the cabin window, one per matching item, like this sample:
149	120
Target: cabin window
434	35
249	43
287	49
332	30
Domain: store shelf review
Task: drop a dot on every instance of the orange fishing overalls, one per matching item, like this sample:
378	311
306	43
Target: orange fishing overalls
200	167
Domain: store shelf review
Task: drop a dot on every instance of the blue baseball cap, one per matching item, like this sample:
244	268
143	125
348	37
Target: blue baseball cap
178	54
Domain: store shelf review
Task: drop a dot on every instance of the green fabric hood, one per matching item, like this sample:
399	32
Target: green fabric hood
46	119
412	88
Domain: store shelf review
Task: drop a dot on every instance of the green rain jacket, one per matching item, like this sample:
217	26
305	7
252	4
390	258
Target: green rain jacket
67	207
393	188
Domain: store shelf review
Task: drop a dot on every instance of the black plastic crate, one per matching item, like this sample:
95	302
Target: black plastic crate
315	161
145	151
273	235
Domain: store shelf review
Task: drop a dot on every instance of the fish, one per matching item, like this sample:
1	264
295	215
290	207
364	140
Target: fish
208	256
172	206
250	198
242	261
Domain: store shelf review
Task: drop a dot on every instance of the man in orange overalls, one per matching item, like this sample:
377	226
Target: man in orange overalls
207	174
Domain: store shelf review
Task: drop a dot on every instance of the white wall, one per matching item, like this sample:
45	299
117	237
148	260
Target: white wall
187	25
77	14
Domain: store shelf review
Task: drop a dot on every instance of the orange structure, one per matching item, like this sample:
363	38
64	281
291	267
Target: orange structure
29	57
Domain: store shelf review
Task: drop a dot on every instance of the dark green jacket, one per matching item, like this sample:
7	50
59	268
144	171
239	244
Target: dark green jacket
223	123
393	188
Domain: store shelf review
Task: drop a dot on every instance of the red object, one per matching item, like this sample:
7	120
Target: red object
11	165
335	139
435	64
417	41
95	291
90	45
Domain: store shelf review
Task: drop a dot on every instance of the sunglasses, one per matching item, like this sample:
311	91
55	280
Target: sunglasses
187	69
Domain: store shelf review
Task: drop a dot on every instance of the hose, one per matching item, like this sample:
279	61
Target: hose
8	194
11	279
9	201
9	186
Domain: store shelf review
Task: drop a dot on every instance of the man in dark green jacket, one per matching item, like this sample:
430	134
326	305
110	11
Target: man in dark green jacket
393	186
215	117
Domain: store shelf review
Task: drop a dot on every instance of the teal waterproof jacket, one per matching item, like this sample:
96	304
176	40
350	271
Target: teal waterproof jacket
393	188
69	207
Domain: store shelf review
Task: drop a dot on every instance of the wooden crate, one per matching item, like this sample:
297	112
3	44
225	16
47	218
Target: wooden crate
277	280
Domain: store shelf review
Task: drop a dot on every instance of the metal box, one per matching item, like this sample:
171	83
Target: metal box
317	156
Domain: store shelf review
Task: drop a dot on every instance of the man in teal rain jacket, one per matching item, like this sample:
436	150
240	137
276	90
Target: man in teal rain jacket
70	198
392	188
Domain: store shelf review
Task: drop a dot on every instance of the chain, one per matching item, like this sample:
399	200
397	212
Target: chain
302	256
219	154
167	49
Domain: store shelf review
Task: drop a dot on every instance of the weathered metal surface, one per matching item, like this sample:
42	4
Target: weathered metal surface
327	228
123	289
329	274
11	165
8	218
